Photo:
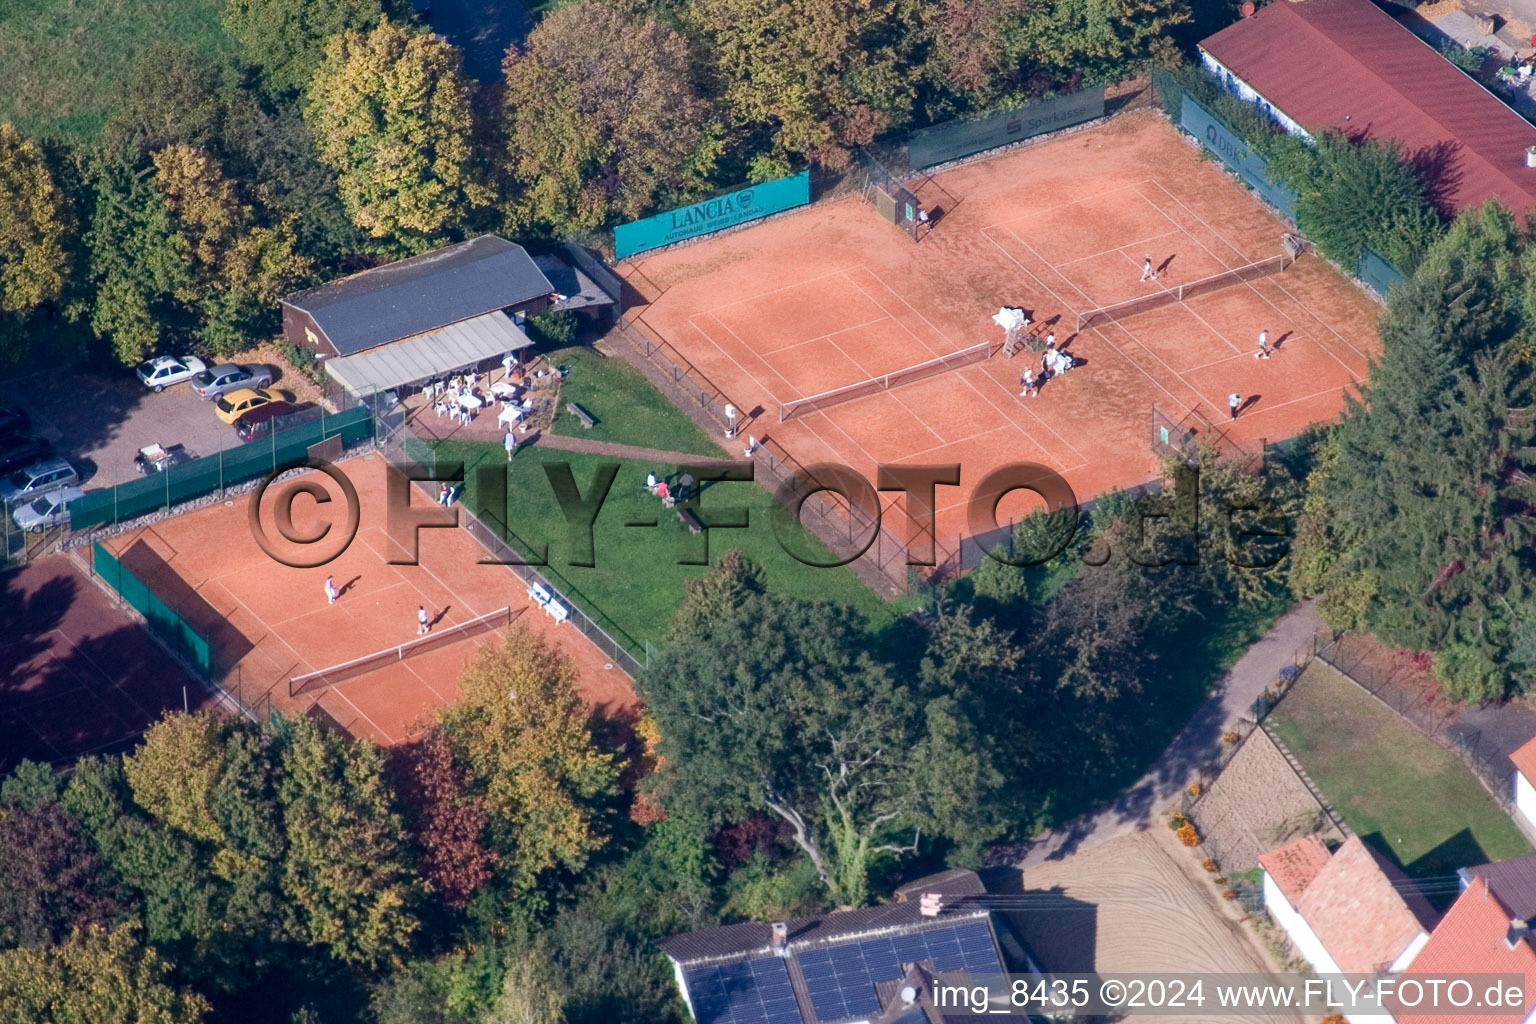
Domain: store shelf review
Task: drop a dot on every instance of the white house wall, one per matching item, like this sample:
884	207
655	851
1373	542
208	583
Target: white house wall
1525	799
1243	91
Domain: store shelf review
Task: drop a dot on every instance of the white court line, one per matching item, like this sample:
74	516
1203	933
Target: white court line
1308	309
1129	245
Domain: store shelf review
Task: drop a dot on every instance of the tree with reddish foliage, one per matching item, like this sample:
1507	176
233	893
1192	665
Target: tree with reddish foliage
448	822
54	878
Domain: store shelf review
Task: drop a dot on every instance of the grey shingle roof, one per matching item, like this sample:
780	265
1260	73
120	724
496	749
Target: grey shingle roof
423	293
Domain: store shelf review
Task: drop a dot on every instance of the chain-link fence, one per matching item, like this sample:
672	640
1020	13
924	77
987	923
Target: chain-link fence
1401	680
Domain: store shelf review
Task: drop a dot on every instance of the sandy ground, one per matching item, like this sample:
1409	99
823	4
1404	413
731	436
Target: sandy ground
1140	904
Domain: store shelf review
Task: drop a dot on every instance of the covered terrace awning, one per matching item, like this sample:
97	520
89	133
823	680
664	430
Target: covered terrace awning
429	356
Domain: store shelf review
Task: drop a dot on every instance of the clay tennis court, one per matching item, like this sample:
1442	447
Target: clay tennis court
268	623
832	295
77	674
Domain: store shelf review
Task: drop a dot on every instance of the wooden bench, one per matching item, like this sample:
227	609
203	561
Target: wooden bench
587	419
690	519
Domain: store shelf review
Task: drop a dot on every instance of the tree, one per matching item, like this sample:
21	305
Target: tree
286	38
602	117
54	879
1427	499
36	224
97	977
1100	37
772	704
346	874
522	729
527	995
179	253
811	77
1353	192
389	112
449	821
174	770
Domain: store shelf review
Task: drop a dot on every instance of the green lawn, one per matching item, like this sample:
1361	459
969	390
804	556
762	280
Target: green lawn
628	409
637	582
1398	790
65	60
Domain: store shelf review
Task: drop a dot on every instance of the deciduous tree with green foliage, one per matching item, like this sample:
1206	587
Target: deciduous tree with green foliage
389	111
97	977
523	730
346	876
772	704
602	118
809	78
35	224
286	38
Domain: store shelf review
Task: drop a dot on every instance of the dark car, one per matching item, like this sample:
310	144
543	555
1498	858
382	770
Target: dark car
13	421
262	420
21	451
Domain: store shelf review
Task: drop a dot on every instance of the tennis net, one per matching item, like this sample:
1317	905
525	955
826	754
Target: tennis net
864	388
1183	292
421	645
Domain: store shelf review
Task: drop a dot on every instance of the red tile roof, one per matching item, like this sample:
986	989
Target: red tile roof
1470	939
1294	865
1364	910
1346	64
1525	761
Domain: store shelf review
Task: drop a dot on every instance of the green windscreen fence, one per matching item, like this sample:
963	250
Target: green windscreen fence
213	473
1377	273
162	618
1214	134
723	211
955	139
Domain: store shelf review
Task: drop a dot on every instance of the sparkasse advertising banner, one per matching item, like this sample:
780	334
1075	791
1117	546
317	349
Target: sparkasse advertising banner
722	211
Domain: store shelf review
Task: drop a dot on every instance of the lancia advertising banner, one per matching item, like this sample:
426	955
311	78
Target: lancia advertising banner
722	211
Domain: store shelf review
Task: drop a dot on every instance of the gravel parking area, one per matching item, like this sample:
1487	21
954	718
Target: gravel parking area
1138	904
1256	804
100	421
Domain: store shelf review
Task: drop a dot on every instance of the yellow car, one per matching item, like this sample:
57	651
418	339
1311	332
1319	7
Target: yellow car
232	406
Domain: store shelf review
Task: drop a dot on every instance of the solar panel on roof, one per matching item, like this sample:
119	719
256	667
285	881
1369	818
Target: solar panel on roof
841	979
743	992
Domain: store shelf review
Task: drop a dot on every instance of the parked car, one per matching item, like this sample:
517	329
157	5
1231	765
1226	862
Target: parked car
262	420
23	451
37	479
49	510
232	406
221	380
163	371
13	421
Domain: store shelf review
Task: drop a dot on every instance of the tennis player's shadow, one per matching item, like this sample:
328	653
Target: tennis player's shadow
440	616
1162	268
1280	341
347	586
1248	403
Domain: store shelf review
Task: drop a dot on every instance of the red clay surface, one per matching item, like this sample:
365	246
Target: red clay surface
832	295
77	674
276	621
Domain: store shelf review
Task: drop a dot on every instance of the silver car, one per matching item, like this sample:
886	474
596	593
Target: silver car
37	479
230	377
49	510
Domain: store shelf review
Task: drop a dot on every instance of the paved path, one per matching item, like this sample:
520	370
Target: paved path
623	451
1198	743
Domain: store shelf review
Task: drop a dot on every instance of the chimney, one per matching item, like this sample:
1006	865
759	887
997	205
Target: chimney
1518	929
780	941
930	904
908	995
1530	156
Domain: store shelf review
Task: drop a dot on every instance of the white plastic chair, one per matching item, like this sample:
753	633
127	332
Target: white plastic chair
557	611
